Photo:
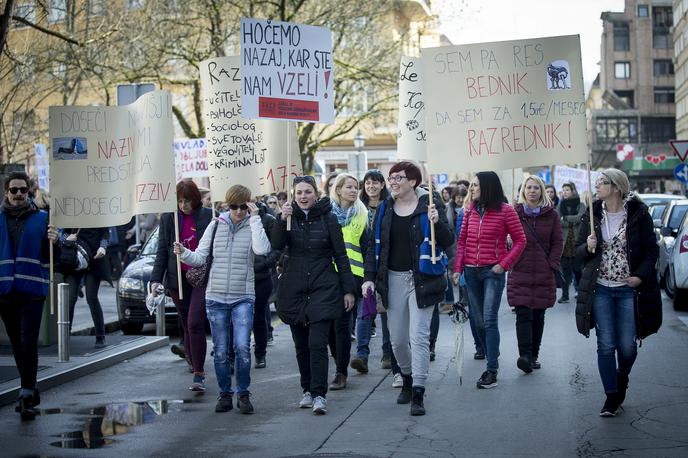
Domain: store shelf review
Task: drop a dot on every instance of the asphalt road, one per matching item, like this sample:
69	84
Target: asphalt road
551	412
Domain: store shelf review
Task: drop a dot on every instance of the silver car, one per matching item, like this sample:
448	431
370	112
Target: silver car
677	279
672	217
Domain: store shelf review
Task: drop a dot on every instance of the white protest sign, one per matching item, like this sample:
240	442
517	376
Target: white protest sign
110	163
42	166
241	151
411	143
579	177
503	105
190	158
287	71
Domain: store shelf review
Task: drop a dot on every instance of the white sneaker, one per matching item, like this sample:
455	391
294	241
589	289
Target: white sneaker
320	405
398	381
306	401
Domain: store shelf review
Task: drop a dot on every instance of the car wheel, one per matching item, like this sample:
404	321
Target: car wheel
669	284
681	299
131	328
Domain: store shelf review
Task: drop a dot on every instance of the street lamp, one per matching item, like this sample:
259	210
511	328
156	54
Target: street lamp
359	143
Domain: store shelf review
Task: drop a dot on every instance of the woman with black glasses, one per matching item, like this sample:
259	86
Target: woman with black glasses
311	293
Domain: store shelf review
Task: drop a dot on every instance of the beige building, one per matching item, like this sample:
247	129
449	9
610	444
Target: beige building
632	100
680	36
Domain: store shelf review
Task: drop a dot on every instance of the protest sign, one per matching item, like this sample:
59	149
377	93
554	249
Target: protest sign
287	71
42	166
190	158
110	163
411	143
503	105
242	151
579	177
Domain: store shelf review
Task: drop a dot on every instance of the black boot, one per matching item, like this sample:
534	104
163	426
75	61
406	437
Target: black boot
525	364
406	390
621	387
417	407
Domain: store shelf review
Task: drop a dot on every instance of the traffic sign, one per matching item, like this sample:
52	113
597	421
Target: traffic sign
681	173
680	148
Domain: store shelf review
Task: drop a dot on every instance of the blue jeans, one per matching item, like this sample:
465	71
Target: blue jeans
220	316
363	331
485	294
614	312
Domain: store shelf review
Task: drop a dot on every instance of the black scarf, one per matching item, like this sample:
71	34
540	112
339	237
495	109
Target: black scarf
569	207
15	210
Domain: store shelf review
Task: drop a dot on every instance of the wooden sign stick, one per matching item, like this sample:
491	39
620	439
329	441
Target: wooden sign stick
179	258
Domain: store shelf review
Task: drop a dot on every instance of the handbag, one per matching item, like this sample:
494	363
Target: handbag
68	260
558	276
198	276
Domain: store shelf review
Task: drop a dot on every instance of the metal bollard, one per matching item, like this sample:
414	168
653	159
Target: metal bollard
63	323
160	318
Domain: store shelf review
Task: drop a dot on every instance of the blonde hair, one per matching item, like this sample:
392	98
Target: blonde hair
42	199
358	206
544	198
619	180
237	195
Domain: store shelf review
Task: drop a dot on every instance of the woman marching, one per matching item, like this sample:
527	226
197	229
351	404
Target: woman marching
482	252
193	221
233	239
399	266
311	293
571	210
531	287
618	293
352	216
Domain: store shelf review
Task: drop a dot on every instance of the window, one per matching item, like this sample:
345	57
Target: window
661	39
622	70
57	11
626	96
662	17
96	7
616	130
643	11
664	95
135	4
357	101
658	130
621	40
26	11
663	67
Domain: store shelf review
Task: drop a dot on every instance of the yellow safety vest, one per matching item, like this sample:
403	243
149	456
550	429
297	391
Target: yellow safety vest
352	240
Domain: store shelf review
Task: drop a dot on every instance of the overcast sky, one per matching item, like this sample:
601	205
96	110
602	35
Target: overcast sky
499	20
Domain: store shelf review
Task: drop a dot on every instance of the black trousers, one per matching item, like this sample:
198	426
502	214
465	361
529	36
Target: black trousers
530	323
311	355
92	285
435	324
260	320
340	341
22	318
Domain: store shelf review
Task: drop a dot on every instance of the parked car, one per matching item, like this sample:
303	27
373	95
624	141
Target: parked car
677	278
132	289
672	217
652	199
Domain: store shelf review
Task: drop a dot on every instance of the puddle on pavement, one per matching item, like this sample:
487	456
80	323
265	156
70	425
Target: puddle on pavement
104	422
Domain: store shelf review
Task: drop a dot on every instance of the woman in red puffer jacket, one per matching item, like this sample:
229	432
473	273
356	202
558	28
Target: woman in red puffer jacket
531	287
482	251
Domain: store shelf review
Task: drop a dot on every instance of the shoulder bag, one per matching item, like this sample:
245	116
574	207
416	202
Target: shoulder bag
198	276
558	276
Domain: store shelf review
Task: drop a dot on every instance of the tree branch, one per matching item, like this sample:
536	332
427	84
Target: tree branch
46	31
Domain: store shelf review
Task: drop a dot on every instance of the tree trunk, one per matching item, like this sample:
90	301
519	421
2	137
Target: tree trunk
5	23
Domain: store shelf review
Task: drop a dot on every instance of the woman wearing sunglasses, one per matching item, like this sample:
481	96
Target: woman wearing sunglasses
193	220
399	266
311	293
618	293
233	239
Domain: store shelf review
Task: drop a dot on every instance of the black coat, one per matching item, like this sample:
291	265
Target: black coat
310	289
642	253
263	264
165	266
91	239
430	289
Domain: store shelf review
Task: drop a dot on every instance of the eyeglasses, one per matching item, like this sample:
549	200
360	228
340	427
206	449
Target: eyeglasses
307	178
272	202
15	190
602	182
395	178
237	207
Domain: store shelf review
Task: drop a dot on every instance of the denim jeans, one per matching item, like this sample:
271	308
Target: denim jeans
614	312
240	315
485	294
363	330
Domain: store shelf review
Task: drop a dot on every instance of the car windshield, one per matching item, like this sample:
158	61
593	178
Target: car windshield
677	216
151	246
657	211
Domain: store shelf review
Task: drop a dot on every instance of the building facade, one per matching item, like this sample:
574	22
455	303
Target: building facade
631	106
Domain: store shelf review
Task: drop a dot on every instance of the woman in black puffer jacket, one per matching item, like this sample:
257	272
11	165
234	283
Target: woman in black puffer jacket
618	293
311	293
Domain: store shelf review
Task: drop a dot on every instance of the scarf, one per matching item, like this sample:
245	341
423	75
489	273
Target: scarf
344	217
569	207
15	210
531	212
